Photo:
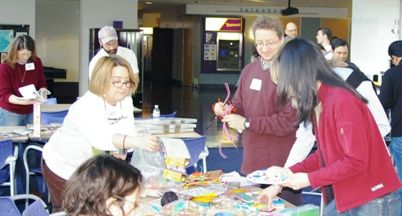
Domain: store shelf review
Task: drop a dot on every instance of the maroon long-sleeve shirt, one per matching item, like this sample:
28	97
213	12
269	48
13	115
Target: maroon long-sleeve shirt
12	79
272	130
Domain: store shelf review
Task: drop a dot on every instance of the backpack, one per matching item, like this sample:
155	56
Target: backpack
357	77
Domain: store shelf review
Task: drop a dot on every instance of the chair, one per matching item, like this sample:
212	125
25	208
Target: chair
171	115
32	171
53	117
51	101
7	165
8	207
316	192
198	151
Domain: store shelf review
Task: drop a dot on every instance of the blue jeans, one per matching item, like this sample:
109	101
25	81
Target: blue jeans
8	118
396	152
388	205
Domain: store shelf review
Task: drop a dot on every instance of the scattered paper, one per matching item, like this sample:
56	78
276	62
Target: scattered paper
235	177
29	92
175	147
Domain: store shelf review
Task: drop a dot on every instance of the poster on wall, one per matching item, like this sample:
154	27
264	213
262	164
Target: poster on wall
6	35
210	46
222	45
210	52
20	33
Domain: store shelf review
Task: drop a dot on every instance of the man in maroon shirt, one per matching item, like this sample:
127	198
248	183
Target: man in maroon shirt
268	128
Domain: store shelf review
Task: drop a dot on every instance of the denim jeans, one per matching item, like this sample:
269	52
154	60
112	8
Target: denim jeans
8	118
388	205
396	152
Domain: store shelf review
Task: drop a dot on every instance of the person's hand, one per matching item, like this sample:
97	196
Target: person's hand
297	181
43	93
235	121
119	155
268	195
278	172
150	143
218	108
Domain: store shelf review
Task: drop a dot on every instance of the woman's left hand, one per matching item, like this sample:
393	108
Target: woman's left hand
297	181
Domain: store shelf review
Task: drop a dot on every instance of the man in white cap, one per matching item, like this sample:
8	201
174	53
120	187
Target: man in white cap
109	45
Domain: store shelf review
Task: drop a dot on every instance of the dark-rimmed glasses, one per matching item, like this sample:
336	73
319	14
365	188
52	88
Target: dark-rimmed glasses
261	44
119	84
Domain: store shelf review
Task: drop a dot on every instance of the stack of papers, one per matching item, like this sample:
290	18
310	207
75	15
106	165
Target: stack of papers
167	125
29	92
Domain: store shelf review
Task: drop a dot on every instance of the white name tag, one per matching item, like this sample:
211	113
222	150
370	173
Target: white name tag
377	187
29	66
256	84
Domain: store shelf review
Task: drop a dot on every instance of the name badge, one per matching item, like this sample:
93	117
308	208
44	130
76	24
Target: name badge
29	66
256	84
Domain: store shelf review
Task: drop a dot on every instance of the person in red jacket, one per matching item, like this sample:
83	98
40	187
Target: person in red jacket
351	165
21	67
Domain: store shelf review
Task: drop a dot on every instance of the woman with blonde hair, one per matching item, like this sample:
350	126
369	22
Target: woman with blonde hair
101	120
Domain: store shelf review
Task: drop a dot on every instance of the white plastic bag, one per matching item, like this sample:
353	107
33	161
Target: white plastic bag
151	166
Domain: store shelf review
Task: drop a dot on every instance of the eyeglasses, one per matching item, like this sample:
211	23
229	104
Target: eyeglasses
261	44
119	84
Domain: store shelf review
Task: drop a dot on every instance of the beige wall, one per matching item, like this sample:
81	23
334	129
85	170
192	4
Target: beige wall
58	39
95	14
339	27
11	13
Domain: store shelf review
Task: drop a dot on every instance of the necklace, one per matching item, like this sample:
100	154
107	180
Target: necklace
22	77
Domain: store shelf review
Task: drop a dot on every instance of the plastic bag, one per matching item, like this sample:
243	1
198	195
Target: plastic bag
151	166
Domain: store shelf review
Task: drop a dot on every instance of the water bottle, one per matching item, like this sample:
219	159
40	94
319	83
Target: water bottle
156	113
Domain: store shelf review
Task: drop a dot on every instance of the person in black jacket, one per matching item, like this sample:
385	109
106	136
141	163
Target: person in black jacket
391	99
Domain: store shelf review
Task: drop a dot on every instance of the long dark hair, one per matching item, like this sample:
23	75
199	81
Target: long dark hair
298	67
97	180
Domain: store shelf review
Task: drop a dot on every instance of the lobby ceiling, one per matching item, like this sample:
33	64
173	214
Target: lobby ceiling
146	4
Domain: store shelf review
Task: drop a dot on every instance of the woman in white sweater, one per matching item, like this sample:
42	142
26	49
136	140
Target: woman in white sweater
100	121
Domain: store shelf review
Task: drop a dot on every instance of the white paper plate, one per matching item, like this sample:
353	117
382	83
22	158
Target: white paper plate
262	177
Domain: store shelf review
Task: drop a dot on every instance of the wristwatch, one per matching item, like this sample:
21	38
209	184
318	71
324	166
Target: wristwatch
246	124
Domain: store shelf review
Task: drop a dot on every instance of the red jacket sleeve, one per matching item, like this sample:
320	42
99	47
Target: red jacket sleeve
310	164
345	144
